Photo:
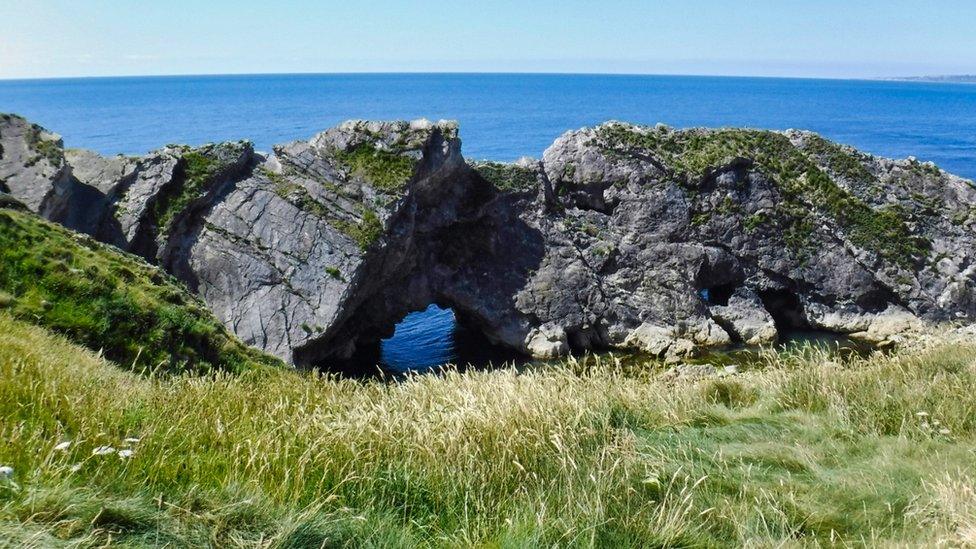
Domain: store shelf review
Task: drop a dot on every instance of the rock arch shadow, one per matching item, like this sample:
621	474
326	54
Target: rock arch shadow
473	263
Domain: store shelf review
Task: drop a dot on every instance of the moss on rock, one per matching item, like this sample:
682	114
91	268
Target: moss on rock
507	177
388	171
689	155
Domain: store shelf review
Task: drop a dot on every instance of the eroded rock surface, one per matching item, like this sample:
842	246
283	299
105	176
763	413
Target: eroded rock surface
32	166
665	240
687	228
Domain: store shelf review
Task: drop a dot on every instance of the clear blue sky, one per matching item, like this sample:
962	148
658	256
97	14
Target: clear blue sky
831	38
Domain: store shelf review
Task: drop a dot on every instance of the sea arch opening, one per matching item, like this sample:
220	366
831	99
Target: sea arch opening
428	340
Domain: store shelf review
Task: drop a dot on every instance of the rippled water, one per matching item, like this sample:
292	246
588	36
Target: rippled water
422	340
427	339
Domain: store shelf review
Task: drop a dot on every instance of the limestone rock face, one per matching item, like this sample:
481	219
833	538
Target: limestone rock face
745	318
662	233
136	203
32	166
669	241
295	249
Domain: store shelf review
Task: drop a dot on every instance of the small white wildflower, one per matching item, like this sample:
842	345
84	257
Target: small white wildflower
6	472
62	446
944	431
76	467
922	414
132	441
125	453
103	450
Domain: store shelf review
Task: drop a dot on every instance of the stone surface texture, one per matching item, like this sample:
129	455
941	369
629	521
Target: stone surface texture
621	236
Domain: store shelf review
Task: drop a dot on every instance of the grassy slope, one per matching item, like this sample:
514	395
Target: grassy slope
805	451
109	300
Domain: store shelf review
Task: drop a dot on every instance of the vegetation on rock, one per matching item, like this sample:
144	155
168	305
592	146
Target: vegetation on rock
297	195
46	148
388	171
691	154
507	177
365	232
199	170
108	300
841	161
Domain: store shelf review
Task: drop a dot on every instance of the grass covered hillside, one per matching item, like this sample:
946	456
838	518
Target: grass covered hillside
107	300
802	451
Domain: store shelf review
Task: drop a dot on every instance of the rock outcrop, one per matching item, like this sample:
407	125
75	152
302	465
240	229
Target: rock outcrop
665	240
32	166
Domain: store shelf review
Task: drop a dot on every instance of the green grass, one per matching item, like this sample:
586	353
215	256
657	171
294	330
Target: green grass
365	232
105	299
689	154
507	177
388	171
801	451
198	172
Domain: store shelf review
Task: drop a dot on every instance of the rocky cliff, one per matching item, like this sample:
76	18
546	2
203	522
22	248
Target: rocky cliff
621	236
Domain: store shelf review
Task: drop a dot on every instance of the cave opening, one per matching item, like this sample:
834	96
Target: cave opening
429	339
718	295
786	309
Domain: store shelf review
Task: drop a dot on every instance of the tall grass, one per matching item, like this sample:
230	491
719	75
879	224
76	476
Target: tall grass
803	451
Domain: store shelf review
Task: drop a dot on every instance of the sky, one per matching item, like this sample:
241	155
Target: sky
812	38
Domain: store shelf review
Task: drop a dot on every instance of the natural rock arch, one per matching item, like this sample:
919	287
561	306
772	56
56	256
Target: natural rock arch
609	241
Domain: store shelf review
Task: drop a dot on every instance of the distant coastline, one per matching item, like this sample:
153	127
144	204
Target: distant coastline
948	78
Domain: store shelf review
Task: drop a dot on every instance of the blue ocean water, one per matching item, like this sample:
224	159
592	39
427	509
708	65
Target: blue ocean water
502	117
422	340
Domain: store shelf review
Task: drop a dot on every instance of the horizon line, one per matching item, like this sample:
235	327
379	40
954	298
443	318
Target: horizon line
918	79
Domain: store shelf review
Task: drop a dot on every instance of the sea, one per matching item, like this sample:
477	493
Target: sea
502	117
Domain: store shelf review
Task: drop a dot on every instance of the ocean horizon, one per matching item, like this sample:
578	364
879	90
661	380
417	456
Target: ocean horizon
503	116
